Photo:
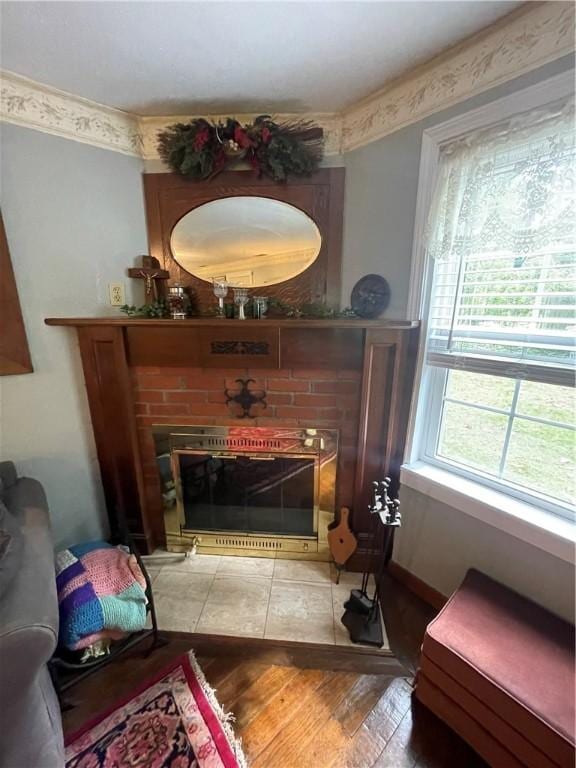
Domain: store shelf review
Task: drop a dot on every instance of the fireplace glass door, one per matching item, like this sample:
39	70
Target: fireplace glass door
248	493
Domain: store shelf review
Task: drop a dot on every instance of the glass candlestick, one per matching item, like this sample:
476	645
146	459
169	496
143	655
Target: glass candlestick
240	299
260	306
220	288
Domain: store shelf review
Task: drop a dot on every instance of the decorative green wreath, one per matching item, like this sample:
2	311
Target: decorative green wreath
200	149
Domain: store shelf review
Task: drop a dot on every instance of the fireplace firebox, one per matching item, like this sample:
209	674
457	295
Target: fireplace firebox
269	490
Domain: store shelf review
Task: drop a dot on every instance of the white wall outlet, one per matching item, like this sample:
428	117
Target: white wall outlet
116	293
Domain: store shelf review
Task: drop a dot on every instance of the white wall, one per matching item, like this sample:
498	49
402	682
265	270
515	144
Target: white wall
74	220
379	207
439	544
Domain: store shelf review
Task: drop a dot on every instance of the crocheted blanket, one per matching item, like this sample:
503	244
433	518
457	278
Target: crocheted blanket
101	594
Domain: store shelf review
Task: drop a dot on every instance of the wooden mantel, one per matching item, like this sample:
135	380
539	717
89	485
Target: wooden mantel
345	322
382	352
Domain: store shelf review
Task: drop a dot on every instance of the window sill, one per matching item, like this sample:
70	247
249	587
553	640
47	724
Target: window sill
516	518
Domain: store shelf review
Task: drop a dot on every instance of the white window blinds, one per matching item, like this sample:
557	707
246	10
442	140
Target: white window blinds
502	231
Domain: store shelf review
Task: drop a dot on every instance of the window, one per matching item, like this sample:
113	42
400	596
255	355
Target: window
513	432
499	402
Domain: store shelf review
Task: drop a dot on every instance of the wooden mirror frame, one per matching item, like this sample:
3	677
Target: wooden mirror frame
321	196
14	352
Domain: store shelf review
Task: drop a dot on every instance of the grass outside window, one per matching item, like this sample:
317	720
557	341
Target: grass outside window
518	432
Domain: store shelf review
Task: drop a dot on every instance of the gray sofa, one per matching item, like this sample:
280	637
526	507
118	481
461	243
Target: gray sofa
30	722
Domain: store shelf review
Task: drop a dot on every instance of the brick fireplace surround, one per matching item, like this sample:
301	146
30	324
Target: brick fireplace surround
295	398
353	376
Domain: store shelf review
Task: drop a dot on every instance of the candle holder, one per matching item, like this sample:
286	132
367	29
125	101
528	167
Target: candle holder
260	306
240	299
220	288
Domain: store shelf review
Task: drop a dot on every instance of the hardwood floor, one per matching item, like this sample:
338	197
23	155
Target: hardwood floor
290	714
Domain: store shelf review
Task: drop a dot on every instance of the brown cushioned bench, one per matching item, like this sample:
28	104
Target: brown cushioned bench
499	670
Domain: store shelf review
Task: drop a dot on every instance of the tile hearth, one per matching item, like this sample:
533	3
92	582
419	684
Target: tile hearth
295	600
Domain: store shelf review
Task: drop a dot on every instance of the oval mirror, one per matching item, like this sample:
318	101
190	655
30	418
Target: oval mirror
247	241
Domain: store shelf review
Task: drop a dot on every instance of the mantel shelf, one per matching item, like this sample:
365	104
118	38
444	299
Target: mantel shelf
223	323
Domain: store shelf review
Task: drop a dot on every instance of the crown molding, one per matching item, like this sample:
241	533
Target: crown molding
521	41
528	38
35	105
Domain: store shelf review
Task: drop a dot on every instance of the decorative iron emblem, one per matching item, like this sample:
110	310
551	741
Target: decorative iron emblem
246	398
239	347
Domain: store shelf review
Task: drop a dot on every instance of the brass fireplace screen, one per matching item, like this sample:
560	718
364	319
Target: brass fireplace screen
247	489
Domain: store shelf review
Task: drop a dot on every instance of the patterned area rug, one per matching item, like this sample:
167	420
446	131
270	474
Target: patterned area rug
172	721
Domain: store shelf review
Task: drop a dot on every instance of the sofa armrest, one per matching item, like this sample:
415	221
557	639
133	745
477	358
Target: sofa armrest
29	607
24	651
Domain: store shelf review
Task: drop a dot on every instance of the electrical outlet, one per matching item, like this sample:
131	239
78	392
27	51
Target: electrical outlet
116	293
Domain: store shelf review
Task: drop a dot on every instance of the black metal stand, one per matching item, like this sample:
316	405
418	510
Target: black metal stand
362	615
66	673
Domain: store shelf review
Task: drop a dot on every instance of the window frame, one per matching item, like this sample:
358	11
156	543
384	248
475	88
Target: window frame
430	380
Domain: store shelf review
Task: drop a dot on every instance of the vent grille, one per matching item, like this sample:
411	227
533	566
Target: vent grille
230	541
239	443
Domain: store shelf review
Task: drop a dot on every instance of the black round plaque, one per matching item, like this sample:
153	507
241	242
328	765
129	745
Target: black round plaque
370	296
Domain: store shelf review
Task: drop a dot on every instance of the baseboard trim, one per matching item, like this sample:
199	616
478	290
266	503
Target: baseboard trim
424	591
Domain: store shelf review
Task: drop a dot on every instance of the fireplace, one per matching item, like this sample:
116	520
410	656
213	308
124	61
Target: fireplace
234	489
348	379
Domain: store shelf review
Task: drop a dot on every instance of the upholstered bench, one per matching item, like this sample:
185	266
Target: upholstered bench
499	670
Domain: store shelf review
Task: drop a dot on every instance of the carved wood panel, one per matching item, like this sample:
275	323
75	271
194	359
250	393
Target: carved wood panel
162	346
331	348
238	347
109	388
169	197
388	376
